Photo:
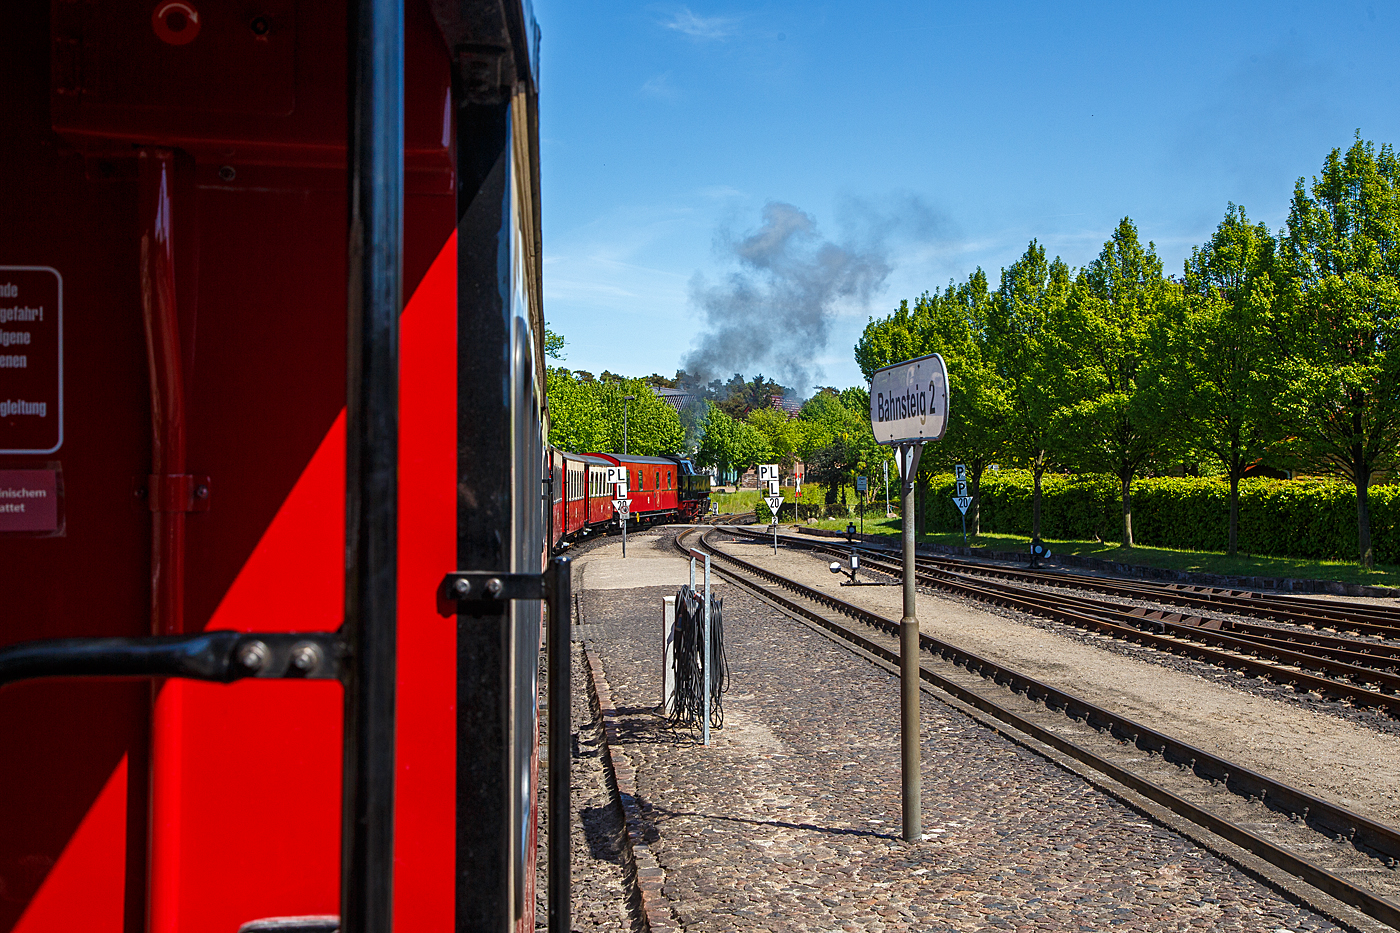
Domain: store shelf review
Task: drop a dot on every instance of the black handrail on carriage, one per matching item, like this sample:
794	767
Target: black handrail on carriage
226	656
222	657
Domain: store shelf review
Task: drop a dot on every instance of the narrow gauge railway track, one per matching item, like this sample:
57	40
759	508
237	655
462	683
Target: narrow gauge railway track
1339	615
1280	655
1376	846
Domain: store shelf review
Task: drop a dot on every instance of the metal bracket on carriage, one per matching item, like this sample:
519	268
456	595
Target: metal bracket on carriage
173	492
221	657
1162	619
485	586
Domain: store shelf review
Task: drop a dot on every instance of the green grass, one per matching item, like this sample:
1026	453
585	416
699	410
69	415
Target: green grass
1195	561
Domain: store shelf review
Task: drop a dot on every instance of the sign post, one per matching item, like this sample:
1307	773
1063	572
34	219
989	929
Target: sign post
960	497
622	505
862	485
888	512
908	408
768	481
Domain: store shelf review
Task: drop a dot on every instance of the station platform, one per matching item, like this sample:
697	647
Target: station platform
790	820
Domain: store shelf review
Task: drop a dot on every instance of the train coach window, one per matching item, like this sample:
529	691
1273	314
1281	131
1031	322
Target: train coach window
657	478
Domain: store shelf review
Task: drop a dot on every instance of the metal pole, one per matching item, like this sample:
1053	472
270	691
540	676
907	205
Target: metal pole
706	727
964	518
626	400
560	745
911	781
623	517
374	280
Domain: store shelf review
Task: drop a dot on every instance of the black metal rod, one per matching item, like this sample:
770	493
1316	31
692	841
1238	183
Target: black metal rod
560	586
374	299
207	656
222	657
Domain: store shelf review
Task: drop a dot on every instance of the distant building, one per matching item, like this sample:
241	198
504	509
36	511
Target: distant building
679	399
790	405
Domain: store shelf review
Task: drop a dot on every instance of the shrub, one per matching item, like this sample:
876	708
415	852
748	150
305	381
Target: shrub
1282	518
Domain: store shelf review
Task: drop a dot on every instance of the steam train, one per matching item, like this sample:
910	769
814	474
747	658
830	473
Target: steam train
274	569
659	489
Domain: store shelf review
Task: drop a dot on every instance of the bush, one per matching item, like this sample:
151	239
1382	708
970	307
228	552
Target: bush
1279	518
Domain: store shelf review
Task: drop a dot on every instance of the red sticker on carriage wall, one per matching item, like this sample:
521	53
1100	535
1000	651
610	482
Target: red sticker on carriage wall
28	501
31	360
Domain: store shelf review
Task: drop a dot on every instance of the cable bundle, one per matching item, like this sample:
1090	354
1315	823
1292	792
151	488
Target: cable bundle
688	707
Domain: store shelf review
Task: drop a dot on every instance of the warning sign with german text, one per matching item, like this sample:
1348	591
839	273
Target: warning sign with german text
31	360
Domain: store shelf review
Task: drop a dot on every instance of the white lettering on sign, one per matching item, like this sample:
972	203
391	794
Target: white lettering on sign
909	401
11	406
22	314
31	361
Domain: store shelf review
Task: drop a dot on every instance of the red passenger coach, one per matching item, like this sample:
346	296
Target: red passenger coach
283	580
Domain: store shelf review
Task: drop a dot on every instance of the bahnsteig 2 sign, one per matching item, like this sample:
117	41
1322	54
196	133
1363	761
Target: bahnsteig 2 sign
909	401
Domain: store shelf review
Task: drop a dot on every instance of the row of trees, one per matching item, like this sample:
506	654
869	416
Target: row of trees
1282	348
831	435
587	415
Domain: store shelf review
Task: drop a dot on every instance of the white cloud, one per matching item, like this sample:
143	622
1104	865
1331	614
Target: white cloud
661	88
701	27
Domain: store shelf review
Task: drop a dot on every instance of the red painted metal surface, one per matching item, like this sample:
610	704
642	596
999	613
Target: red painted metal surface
238	214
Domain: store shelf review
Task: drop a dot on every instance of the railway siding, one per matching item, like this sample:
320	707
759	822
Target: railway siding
789	822
1355	764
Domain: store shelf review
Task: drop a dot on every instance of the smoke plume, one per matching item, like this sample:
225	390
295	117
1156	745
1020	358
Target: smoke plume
774	313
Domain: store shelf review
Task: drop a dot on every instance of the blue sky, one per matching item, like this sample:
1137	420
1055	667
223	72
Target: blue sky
871	151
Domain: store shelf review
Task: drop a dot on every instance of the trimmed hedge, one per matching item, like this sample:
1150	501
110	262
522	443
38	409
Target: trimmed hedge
1279	518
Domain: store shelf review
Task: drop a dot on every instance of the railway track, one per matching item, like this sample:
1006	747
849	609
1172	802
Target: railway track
1363	673
1288	828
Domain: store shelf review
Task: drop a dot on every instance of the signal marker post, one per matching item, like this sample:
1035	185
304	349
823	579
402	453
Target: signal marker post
960	497
908	408
622	506
768	479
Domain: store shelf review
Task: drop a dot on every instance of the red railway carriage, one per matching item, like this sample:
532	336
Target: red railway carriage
244	522
582	501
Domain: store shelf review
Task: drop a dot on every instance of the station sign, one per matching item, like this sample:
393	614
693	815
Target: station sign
862	484
909	401
31	360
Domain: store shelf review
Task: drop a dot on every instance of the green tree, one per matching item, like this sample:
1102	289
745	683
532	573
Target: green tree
553	344
1216	352
837	440
588	416
729	444
1112	427
953	323
1342	250
576	420
1026	331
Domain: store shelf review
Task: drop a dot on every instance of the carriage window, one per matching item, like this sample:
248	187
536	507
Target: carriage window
657	476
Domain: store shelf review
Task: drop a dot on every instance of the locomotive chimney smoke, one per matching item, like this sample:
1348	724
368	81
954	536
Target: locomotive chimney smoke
774	313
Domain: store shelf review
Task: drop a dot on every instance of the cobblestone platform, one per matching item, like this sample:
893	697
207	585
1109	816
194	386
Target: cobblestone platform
790	820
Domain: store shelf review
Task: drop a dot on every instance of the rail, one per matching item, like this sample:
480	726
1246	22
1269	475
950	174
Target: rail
1364	833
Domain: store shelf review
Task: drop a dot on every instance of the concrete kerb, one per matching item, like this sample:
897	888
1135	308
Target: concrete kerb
649	877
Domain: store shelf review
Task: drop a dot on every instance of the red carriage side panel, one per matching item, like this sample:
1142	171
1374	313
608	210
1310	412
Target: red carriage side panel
246	778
